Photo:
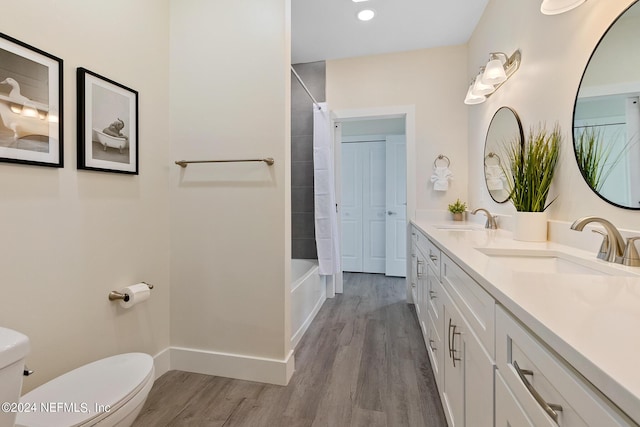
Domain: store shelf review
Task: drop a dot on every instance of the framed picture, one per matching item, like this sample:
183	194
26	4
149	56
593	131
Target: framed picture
107	125
30	105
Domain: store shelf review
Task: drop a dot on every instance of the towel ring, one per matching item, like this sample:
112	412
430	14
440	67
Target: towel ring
491	155
441	157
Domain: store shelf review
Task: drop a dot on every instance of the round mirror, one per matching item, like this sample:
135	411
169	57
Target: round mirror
606	115
504	127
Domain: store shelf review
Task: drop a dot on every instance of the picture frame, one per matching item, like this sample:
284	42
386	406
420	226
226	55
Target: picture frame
31	113
107	124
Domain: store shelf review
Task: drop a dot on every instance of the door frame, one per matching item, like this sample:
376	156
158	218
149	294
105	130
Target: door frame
392	112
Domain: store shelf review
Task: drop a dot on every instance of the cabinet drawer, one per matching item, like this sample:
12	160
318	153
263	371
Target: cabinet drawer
430	251
475	304
434	296
530	369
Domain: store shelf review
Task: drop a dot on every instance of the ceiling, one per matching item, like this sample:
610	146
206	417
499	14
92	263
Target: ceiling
329	29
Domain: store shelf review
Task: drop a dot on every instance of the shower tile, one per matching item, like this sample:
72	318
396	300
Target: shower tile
302	174
302	148
301	122
304	249
302	226
302	200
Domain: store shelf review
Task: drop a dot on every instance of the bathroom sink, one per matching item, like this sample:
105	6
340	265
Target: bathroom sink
548	261
458	227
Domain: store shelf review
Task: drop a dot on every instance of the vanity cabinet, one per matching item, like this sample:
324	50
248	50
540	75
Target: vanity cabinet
490	369
462	366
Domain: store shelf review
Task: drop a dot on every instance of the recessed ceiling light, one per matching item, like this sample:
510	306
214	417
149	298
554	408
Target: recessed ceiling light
366	15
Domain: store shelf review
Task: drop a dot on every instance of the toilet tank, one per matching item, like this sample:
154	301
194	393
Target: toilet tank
14	347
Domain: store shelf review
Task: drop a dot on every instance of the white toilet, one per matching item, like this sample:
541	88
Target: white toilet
108	392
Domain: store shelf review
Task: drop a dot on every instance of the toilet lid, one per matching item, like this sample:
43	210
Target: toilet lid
91	391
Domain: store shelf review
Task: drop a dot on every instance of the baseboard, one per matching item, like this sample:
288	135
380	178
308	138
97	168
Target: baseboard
162	362
259	369
297	336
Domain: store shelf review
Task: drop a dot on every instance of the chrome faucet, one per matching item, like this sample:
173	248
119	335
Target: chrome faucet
612	248
491	220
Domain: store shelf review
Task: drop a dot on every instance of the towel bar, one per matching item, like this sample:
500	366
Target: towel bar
183	163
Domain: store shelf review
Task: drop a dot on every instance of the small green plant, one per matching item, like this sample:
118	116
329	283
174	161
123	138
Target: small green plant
532	165
457	207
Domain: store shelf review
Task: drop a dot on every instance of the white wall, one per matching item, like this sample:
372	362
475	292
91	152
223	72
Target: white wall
555	51
230	223
69	237
435	81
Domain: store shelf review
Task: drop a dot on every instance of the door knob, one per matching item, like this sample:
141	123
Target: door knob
391	213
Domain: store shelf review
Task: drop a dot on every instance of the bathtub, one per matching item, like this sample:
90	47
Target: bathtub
111	141
308	293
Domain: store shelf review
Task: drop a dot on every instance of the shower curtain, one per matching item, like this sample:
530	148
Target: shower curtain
326	217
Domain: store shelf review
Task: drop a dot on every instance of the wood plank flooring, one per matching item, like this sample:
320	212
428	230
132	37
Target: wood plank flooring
361	363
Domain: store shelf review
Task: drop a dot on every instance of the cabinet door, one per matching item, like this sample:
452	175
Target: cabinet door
435	348
478	382
509	413
453	390
421	279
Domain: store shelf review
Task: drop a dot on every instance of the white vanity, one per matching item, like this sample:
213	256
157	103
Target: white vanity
526	334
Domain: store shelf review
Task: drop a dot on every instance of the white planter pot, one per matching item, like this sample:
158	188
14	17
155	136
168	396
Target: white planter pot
530	226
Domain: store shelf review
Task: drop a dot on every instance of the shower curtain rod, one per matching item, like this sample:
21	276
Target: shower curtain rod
305	88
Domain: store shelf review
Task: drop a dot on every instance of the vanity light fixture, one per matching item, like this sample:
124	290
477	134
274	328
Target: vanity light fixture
555	7
366	14
493	75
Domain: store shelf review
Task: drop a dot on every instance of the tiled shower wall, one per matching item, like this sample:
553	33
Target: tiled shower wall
303	244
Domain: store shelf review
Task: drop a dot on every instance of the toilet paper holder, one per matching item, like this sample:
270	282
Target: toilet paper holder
115	295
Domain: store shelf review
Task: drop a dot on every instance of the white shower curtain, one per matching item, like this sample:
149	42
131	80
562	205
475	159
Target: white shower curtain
326	218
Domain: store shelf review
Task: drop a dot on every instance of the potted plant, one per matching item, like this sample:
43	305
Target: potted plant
457	209
532	165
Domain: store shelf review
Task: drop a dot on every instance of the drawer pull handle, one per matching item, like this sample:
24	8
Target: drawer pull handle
550	408
433	257
419	271
431	345
432	294
453	345
413	285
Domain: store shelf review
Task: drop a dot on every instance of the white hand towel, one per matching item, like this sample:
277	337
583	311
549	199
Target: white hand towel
440	178
495	177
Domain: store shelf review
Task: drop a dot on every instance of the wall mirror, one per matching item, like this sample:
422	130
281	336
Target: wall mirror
504	127
606	114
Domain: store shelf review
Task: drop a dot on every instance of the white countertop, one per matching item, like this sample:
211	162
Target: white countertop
591	321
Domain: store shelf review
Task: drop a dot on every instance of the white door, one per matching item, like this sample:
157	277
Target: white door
363	213
351	207
396	204
374	207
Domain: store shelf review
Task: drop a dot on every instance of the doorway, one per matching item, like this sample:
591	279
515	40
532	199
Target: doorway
373	212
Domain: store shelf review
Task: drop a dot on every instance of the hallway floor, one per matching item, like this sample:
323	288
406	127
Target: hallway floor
362	362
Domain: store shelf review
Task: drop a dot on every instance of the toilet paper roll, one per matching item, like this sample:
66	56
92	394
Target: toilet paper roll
137	293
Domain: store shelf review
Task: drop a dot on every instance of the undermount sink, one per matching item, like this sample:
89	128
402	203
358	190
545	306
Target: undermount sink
459	227
548	261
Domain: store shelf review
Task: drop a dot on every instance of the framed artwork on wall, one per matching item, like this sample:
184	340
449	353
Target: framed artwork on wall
30	105
107	124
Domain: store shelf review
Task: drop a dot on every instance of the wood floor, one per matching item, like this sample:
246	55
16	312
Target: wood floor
361	363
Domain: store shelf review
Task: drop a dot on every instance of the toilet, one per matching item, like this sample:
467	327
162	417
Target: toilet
109	392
